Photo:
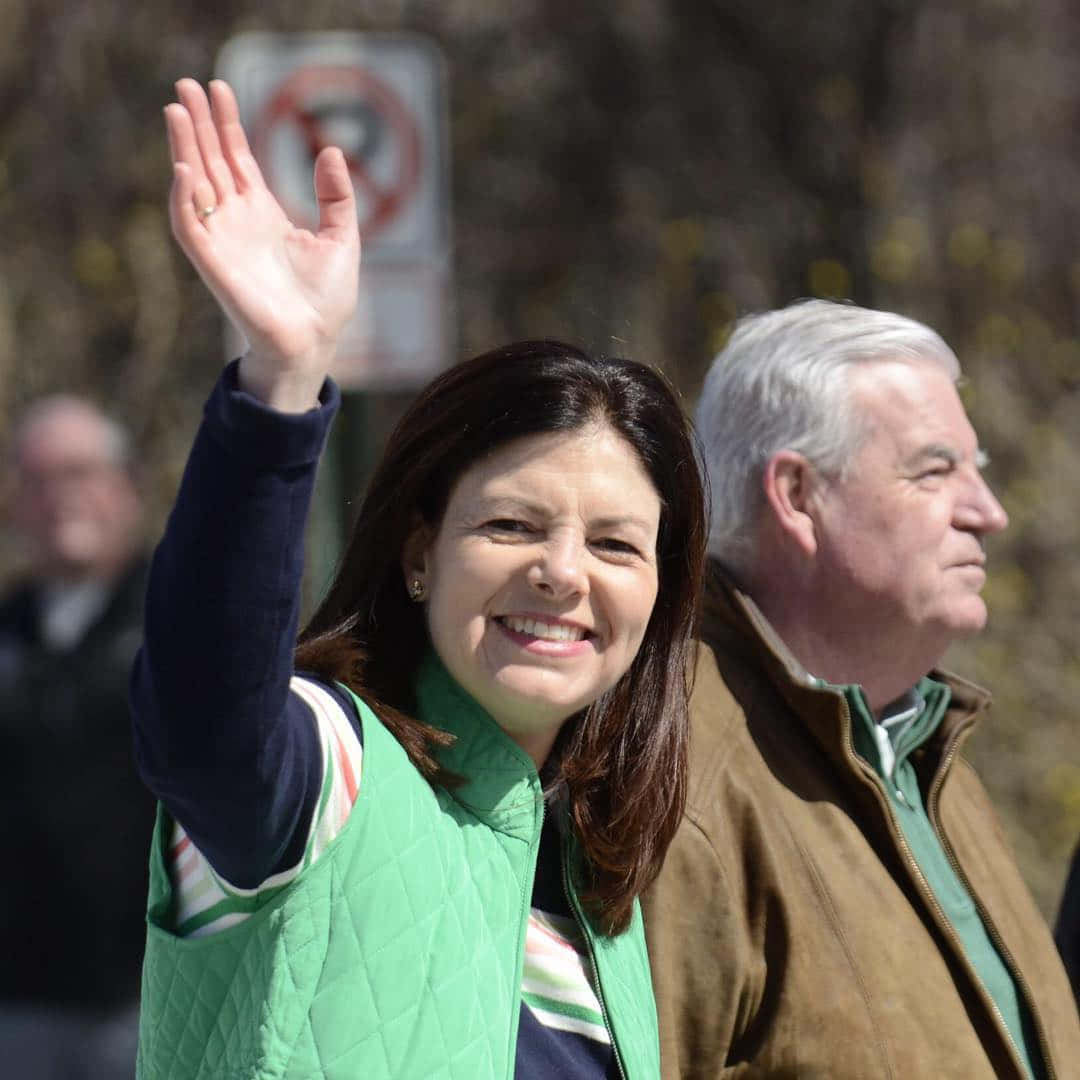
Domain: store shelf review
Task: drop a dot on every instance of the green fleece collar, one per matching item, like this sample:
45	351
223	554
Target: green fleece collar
501	785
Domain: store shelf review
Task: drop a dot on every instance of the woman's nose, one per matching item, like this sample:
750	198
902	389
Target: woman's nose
560	569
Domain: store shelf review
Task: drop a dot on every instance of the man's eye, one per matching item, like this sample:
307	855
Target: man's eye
936	470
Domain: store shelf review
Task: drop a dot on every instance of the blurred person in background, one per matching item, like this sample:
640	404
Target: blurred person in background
1067	930
840	901
75	820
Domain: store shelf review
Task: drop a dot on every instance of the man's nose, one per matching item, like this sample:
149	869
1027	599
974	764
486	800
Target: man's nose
980	510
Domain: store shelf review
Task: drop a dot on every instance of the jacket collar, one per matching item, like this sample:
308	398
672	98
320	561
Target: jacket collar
500	784
734	625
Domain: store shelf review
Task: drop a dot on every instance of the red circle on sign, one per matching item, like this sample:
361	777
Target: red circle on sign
292	105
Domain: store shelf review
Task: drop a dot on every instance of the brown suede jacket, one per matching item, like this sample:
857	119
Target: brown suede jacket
791	933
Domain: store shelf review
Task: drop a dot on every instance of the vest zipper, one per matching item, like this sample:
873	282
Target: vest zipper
932	797
526	899
579	918
944	923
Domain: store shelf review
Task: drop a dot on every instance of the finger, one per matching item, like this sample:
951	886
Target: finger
184	148
334	192
182	215
183	145
193	98
189	229
234	143
175	116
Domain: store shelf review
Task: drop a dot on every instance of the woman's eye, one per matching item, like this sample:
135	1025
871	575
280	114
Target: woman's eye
509	525
618	547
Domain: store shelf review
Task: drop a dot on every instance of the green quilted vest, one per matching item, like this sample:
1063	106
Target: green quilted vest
399	953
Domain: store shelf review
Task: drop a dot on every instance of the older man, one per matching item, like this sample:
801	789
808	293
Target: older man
75	820
840	901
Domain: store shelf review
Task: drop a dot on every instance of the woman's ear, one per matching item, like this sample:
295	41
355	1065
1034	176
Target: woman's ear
414	557
790	483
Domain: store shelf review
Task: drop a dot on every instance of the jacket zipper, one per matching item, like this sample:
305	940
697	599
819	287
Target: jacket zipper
932	813
944	923
520	966
579	918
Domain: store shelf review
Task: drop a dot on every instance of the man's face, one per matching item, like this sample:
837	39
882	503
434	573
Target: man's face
900	534
76	506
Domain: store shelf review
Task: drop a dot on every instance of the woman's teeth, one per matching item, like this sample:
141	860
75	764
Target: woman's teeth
546	631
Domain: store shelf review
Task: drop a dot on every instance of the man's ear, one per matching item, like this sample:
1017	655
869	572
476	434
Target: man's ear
414	552
790	483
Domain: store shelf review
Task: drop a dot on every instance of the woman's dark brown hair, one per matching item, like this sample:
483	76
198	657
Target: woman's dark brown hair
623	759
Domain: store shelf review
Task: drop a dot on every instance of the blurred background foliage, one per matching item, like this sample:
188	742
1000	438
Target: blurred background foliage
632	176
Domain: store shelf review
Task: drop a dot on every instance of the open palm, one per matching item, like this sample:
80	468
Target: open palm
289	290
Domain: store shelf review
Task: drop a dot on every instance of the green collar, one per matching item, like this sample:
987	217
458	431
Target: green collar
927	701
501	785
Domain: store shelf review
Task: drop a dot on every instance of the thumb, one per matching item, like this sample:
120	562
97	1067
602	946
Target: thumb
334	192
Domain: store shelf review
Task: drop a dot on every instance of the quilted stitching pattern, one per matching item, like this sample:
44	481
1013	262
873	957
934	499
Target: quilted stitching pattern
395	955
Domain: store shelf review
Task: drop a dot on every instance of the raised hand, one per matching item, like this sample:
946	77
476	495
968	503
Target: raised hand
289	290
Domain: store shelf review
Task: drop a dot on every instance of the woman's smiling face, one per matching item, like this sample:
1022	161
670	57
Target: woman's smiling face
542	576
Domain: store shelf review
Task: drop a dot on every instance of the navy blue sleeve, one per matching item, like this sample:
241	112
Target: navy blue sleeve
232	755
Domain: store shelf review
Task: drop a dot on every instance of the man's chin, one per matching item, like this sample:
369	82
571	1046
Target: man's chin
73	563
968	618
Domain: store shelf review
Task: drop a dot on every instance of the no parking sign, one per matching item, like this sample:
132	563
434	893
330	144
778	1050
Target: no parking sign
381	98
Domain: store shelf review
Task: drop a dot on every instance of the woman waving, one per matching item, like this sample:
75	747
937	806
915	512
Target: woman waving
412	847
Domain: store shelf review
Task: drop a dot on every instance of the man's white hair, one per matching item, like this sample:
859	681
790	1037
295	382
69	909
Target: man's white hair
782	382
115	440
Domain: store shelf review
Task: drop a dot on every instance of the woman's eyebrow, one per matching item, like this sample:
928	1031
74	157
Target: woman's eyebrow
490	504
615	521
